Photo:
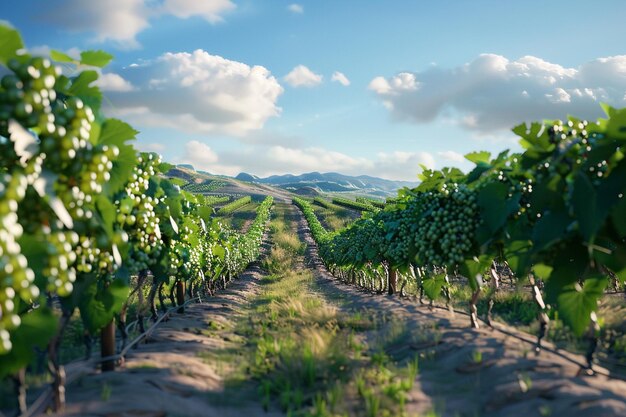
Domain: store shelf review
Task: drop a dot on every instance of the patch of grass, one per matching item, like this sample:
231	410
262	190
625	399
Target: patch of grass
307	357
105	394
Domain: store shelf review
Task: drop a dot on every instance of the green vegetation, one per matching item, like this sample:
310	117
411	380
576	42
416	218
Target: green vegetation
373	202
355	205
205	187
234	205
85	216
552	213
309	358
213	200
322	202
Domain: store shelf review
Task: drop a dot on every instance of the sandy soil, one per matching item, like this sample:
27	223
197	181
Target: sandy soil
168	376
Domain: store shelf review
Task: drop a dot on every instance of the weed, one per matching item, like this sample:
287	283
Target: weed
105	394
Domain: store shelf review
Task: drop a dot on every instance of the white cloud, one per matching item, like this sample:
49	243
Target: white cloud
295	8
113	82
301	76
150	147
198	93
282	159
492	92
379	85
202	157
210	10
452	156
341	78
120	21
115	20
199	152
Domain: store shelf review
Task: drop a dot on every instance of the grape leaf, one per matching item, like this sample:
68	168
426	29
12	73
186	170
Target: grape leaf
433	285
36	329
90	94
98	303
95	58
495	205
473	269
107	212
542	271
10	43
34	248
518	256
59	56
585	207
618	216
616	125
568	267
575	303
550	228
117	133
478	157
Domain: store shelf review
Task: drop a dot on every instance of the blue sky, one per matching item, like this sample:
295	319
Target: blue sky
360	87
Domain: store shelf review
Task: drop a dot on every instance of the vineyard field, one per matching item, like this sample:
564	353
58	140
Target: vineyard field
131	286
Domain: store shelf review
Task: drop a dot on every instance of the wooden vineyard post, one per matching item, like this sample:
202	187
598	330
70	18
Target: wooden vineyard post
107	347
544	320
473	309
180	296
393	281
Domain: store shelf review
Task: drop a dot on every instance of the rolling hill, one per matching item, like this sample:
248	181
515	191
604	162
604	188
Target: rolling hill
331	182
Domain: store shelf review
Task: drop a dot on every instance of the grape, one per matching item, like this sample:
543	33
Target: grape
16	279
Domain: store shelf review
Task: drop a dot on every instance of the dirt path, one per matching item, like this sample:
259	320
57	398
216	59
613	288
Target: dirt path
173	375
468	372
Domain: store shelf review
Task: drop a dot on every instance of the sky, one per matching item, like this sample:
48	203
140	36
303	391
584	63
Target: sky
353	86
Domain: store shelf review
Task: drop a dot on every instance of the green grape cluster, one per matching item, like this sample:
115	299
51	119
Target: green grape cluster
61	256
72	121
16	278
28	94
97	168
79	184
90	258
446	228
137	217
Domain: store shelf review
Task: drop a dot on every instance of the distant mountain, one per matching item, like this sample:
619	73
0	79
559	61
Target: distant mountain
186	166
247	177
331	182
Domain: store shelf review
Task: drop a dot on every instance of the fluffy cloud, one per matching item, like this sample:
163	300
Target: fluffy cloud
198	93
492	92
341	78
113	82
209	10
202	157
281	159
301	76
199	152
295	8
452	156
150	147
121	20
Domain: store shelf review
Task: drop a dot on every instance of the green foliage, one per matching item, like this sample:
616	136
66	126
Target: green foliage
557	209
82	210
205	187
371	201
232	206
10	43
355	205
